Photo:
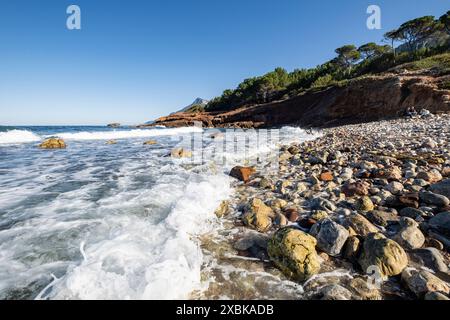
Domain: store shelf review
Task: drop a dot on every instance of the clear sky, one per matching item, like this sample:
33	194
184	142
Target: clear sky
135	60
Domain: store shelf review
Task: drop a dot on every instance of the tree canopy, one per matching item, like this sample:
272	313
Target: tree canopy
350	62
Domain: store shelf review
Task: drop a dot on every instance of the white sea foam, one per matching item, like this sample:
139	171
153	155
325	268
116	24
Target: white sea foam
126	134
18	136
144	260
122	227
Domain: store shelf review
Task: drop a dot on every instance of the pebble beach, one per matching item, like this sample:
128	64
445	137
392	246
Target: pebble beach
362	212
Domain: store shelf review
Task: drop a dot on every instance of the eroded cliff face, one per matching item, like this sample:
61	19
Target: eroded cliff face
362	100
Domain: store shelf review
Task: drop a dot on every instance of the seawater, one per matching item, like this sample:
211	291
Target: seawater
98	221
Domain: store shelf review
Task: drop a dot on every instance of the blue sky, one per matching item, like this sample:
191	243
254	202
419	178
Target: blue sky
135	60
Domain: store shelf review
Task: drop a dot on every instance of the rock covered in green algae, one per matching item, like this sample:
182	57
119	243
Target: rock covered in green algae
294	253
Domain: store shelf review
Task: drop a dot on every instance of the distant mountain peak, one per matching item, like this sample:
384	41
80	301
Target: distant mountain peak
197	101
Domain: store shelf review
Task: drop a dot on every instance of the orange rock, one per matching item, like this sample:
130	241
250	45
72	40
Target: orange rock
53	143
326	176
242	173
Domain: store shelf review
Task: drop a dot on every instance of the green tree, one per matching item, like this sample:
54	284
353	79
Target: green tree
347	56
393	36
444	22
371	50
415	31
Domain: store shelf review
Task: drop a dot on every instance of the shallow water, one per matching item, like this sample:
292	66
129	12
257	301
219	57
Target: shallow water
98	221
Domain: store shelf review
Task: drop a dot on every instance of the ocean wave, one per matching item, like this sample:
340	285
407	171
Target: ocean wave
18	136
125	134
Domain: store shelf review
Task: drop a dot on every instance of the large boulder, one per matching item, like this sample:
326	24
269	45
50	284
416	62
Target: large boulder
386	254
330	236
421	282
293	252
242	173
258	215
442	188
53	143
360	225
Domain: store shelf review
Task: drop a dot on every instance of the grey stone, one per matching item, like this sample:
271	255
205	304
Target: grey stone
330	236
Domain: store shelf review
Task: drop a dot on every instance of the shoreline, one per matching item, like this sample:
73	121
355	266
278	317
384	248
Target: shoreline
362	179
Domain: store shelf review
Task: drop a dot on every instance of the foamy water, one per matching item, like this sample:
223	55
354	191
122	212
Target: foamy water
97	221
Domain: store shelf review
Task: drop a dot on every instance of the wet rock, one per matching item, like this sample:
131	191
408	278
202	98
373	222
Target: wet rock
53	143
280	220
442	188
386	254
278	204
356	188
430	258
421	282
284	156
322	204
180	153
149	142
258	215
335	292
294	150
265	183
282	185
434	199
382	218
242	173
330	236
360	225
223	209
409	235
251	239
364	204
294	253
441	223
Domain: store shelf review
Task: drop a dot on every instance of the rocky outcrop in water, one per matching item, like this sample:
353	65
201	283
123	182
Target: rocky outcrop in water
53	143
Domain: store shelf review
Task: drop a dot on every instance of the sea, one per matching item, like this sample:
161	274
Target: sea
115	221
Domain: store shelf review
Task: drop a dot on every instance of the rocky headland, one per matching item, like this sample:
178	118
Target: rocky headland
365	99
